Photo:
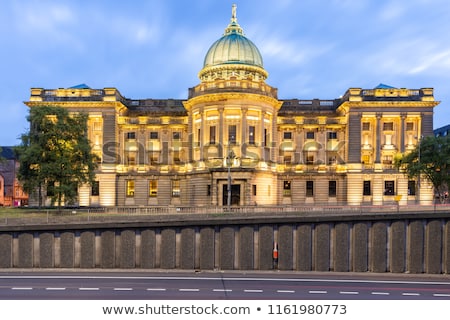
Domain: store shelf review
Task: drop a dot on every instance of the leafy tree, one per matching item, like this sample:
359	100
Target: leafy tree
431	159
56	153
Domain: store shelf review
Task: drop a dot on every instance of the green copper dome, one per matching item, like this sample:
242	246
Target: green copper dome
233	48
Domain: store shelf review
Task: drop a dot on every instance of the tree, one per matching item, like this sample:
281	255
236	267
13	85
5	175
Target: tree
56	153
430	159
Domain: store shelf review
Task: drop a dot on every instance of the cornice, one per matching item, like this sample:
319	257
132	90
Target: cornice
219	97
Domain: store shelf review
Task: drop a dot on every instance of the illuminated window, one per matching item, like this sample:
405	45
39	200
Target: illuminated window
287	188
251	134
309	188
389	188
232	130
366	159
176	188
130	188
153	157
131	158
153	188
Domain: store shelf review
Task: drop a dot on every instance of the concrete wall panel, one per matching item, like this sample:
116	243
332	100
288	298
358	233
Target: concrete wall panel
46	250
321	250
378	247
87	249
341	258
304	247
265	240
227	251
67	249
416	243
187	254
168	248
397	255
246	248
108	249
433	250
127	249
207	248
285	247
148	249
6	250
25	250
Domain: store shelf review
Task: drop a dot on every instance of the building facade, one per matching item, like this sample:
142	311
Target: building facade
11	193
234	142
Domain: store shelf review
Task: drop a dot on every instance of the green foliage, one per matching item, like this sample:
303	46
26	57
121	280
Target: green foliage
56	151
430	159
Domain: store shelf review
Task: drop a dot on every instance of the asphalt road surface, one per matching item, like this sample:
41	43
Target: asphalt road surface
124	285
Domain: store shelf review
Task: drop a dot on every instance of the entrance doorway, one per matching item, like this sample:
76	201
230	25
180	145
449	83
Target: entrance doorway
235	194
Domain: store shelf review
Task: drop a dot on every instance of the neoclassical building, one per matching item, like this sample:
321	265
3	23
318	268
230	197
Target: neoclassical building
234	138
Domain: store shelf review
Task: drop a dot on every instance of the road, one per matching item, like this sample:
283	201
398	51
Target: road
124	285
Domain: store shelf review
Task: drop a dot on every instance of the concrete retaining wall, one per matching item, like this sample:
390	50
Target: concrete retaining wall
414	245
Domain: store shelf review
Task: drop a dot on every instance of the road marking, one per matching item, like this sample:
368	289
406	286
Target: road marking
380	293
349	292
189	290
88	289
285	291
22	288
222	290
123	289
318	292
156	289
441	295
410	294
253	290
55	289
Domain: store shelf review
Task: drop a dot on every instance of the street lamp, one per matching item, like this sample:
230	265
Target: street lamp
230	157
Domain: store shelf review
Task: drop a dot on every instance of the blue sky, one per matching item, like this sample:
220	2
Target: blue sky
155	48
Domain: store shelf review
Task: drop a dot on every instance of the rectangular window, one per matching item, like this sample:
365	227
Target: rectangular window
309	158
287	135
131	158
208	190
409	126
310	135
95	189
153	188
176	156
387	159
153	157
411	188
154	135
366	126
130	135
388	126
366	159
367	190
266	138
176	188
176	135
309	188
287	188
212	135
389	188
332	135
332	188
251	134
130	188
254	189
232	130
287	157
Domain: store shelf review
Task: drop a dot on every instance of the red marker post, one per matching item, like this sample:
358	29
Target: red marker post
275	255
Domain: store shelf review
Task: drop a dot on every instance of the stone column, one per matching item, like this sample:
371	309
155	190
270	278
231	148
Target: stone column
402	132
221	124
378	140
